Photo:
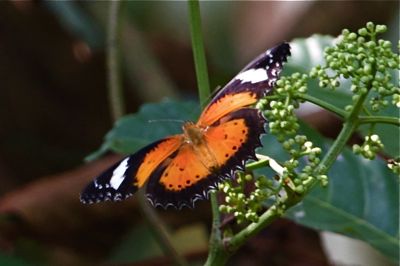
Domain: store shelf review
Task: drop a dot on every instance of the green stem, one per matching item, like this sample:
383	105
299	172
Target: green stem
117	110
113	61
379	120
330	157
198	51
252	229
351	124
327	106
217	254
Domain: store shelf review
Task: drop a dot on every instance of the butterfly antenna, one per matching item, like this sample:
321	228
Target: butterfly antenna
166	120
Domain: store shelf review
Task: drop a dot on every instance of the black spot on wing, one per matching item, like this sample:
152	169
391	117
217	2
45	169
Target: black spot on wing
271	61
159	196
100	189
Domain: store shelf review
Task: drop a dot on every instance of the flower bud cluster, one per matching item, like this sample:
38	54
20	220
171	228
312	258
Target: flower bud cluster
367	61
246	205
301	149
371	146
280	114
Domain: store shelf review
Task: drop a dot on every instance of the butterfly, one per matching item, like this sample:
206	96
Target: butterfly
181	169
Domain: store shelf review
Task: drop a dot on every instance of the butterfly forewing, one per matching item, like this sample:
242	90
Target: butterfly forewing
255	81
125	177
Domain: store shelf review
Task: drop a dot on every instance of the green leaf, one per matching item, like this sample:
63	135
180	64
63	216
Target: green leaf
153	121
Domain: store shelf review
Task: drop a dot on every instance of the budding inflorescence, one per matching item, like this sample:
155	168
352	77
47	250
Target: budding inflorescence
367	61
246	205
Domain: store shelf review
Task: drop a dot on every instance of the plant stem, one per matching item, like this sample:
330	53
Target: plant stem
252	229
379	120
337	146
217	254
113	61
117	110
198	51
351	124
327	106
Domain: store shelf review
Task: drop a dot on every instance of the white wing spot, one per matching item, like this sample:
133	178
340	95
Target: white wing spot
119	174
253	75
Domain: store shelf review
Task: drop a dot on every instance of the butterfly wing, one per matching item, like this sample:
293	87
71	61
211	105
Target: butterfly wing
185	178
256	80
125	177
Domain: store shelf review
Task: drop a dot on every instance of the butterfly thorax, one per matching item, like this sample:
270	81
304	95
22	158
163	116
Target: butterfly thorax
194	135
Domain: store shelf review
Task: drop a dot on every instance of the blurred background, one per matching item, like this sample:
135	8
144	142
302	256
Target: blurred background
54	111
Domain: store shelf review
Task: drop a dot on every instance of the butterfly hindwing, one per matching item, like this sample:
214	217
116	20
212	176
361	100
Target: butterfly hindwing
125	177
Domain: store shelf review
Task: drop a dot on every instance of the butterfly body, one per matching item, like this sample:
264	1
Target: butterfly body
181	169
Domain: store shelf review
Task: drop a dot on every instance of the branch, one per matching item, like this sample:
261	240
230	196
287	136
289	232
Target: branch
327	106
379	120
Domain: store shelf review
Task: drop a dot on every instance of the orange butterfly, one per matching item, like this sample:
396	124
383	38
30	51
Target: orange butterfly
181	169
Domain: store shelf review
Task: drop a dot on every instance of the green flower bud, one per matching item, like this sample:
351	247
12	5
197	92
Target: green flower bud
370	26
381	28
363	31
